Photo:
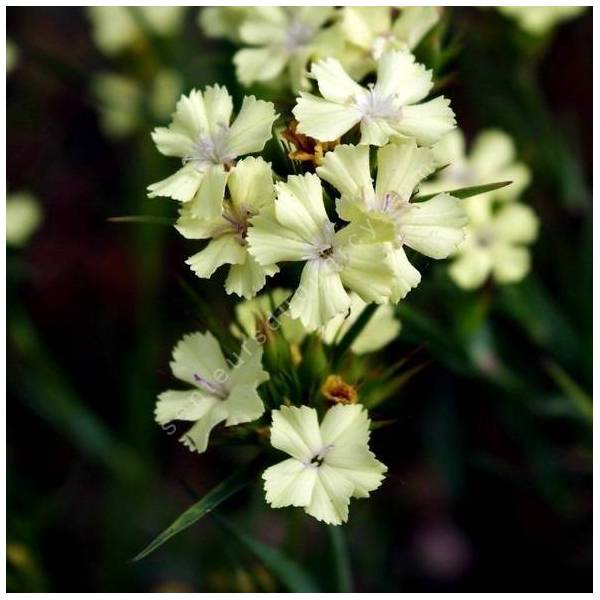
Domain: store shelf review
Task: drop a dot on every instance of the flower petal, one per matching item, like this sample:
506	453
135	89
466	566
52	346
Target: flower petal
245	279
399	75
270	242
322	119
334	83
331	497
258	64
320	295
516	223
471	268
251	184
222	250
248	369
299	206
252	127
295	430
218	105
406	277
413	24
196	439
347	169
359	466
368	271
182	185
198	354
172	143
243	405
434	227
289	483
208	202
188	405
401	167
510	263
345	424
427	122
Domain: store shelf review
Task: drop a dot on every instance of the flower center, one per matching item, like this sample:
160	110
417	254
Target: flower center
212	387
485	237
211	149
297	34
373	105
238	220
317	459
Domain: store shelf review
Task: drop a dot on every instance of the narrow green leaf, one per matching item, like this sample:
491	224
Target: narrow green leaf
218	494
580	399
148	219
290	573
467	192
341	557
344	345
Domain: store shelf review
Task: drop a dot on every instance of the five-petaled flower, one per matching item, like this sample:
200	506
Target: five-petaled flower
387	110
331	462
296	228
221	392
433	227
201	135
250	189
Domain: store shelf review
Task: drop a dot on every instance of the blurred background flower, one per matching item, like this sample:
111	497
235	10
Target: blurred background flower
487	436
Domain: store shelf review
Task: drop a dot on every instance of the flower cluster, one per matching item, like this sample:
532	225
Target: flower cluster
352	216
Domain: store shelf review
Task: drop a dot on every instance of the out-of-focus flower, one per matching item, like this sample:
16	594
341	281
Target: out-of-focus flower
381	329
165	88
117	28
23	217
285	38
389	109
330	463
200	134
433	228
495	243
297	228
122	100
251	188
370	30
493	157
540	20
119	99
12	56
223	21
249	313
221	392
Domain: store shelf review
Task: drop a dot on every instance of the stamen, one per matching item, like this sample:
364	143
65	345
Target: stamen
214	388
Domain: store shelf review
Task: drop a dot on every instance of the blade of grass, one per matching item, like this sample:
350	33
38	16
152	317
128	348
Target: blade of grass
233	484
467	192
146	219
347	340
291	574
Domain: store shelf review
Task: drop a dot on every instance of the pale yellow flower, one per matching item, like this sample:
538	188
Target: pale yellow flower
330	463
495	244
370	30
540	20
492	158
23	217
390	109
284	39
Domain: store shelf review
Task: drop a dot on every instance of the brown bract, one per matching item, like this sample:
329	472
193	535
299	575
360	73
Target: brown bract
307	149
337	391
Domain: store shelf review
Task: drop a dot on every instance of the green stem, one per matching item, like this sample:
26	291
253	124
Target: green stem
341	558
